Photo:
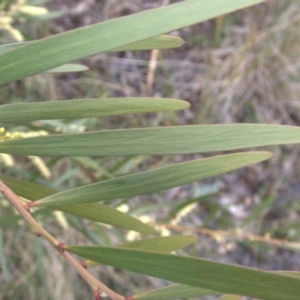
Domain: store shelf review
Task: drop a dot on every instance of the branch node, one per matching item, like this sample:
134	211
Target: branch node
37	234
97	294
83	263
61	247
29	207
30	204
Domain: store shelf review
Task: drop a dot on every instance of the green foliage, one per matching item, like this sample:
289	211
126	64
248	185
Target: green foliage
174	292
86	108
197	272
197	277
154	180
108	35
160	140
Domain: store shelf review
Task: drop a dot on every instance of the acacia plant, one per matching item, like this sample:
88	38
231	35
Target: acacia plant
193	276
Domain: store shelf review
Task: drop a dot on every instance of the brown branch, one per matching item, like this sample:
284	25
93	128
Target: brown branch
237	234
38	230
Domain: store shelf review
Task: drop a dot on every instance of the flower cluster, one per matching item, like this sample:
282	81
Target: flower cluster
7	135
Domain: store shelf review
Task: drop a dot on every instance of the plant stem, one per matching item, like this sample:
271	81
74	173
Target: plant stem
235	234
24	211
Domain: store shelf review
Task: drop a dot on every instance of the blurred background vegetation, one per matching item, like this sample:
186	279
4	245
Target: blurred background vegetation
243	67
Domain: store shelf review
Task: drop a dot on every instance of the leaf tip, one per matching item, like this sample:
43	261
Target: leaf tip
181	41
268	155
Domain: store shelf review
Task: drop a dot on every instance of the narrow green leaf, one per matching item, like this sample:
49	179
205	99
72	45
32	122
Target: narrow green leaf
59	69
65	47
154	180
68	68
160	244
9	47
223	278
94	211
107	215
156	42
161	140
231	297
290	273
73	109
26	189
175	291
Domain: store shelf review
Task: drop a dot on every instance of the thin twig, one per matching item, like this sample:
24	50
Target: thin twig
24	211
238	234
